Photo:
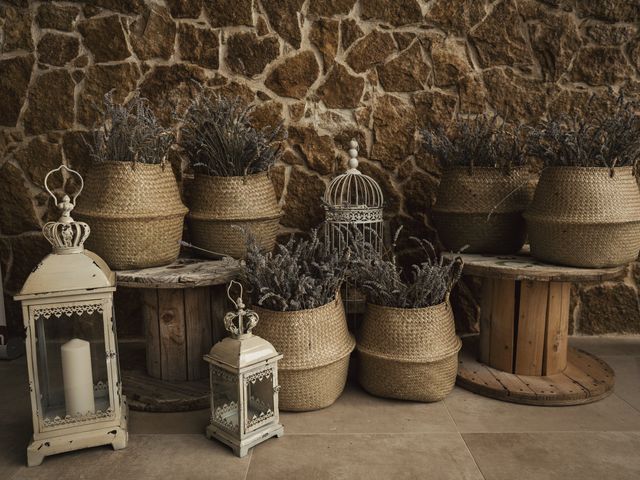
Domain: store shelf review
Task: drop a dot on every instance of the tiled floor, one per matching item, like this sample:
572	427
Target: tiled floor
362	437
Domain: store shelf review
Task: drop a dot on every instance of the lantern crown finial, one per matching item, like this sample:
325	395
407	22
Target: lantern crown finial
65	235
246	319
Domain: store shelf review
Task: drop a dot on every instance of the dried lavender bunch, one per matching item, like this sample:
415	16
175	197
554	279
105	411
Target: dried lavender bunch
384	282
130	132
481	141
603	140
301	274
220	141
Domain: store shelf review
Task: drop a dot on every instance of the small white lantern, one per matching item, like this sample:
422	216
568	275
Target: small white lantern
243	372
74	376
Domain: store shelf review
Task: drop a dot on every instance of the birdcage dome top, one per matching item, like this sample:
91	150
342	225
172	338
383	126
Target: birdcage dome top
353	189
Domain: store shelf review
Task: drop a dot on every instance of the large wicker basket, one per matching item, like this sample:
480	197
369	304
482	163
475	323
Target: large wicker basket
482	208
410	354
135	214
316	345
585	217
223	208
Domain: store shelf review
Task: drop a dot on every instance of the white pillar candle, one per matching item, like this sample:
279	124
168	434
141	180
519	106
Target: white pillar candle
77	377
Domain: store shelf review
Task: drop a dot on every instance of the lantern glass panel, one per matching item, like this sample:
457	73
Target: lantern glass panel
73	375
259	396
224	391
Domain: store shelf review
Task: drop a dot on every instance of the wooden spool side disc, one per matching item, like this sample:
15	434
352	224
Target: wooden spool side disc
148	394
586	379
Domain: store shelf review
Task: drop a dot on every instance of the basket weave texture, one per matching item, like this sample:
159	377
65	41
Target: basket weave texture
483	209
316	345
135	214
410	354
219	205
585	217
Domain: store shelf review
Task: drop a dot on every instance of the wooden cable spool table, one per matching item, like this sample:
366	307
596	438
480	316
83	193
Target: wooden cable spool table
522	353
183	308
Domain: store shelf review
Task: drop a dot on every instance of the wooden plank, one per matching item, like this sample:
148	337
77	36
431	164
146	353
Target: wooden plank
523	266
531	327
198	323
557	332
502	325
183	273
486	307
172	334
219	308
152	332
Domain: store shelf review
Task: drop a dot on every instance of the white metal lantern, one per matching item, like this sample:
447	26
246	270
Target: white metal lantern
353	202
74	376
243	371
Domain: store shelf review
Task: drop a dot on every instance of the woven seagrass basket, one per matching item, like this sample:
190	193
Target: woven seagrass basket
482	209
408	353
222	207
135	214
316	345
585	217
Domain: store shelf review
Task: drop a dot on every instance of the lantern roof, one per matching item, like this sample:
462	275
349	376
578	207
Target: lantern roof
353	190
241	352
65	274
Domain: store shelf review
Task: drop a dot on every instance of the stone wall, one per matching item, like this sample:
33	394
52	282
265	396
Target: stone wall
376	70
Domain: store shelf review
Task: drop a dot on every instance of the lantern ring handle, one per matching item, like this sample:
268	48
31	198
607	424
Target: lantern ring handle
70	170
239	304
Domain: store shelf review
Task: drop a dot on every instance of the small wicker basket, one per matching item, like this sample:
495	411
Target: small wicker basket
409	353
316	345
483	209
585	217
135	214
222	207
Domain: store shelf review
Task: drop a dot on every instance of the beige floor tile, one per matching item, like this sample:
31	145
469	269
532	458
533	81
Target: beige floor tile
440	456
566	456
627	371
156	457
14	390
475	413
14	438
358	412
168	423
611	345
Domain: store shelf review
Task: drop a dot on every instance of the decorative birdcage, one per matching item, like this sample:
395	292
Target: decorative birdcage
353	205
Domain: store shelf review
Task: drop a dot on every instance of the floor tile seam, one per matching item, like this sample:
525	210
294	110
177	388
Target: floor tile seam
463	440
246	473
545	432
475	461
625	401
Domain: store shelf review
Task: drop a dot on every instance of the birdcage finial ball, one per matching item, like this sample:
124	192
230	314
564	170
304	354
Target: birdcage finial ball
353	154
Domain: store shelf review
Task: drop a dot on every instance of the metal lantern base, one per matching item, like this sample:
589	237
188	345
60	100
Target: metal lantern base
241	448
116	436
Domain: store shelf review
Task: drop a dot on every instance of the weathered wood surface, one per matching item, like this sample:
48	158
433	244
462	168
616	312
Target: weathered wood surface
148	394
181	325
557	332
586	379
532	314
183	273
523	266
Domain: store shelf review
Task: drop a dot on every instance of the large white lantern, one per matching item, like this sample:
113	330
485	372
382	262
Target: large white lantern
243	370
74	377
